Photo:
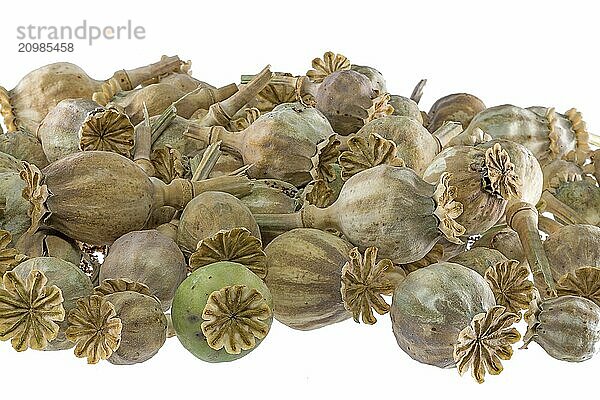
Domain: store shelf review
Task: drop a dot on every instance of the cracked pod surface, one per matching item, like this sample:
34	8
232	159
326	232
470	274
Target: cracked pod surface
73	283
148	257
432	305
304	272
193	295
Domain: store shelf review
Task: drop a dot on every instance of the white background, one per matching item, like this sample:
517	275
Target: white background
539	53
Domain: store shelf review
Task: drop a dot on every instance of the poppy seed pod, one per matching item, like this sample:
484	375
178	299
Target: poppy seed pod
457	107
432	305
566	327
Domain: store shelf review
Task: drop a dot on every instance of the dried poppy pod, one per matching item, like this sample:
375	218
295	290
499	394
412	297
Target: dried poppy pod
48	243
376	77
572	247
304	272
485	178
207	214
119	196
405	107
80	124
505	240
72	282
432	305
405	205
457	107
23	146
14	208
479	259
147	257
278	145
8	163
566	327
344	98
222	312
25	106
570	195
9	257
415	145
144	327
547	135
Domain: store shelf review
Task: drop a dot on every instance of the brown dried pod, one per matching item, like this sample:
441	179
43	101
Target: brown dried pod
110	286
30	310
209	213
376	77
144	327
49	243
344	98
23	146
487	340
9	257
272	196
546	133
574	201
415	145
566	327
235	245
432	306
9	163
479	259
457	107
510	283
94	328
147	257
406	205
486	180
572	247
505	240
583	282
80	125
39	91
405	107
119	196
435	255
277	145
71	281
364	283
304	276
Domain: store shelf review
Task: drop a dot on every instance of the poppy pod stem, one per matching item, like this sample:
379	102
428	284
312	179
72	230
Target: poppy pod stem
418	91
522	217
548	225
130	79
222	112
143	145
445	133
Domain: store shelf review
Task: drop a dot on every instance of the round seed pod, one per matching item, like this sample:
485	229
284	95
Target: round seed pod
414	144
304	271
196	320
271	196
344	98
160	216
506	241
59	130
76	125
583	197
376	78
572	247
127	200
148	257
14	208
48	243
548	135
9	163
485	178
479	259
73	283
209	213
405	107
566	327
23	146
432	305
457	107
144	328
